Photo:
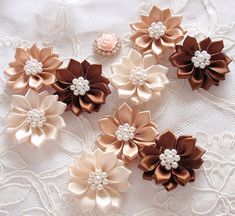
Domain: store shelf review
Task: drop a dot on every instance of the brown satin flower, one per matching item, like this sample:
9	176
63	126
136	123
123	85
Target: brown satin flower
172	161
81	86
203	64
32	68
126	132
157	31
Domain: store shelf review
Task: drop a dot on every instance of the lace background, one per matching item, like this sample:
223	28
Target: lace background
33	181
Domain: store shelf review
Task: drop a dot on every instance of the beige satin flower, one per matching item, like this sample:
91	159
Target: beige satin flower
97	180
35	117
157	31
138	77
32	68
126	132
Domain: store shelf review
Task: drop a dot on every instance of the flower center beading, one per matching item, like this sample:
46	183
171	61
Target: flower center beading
36	118
138	76
97	180
201	59
169	159
80	86
156	30
33	67
125	132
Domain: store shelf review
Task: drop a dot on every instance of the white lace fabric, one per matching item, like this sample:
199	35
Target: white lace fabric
33	181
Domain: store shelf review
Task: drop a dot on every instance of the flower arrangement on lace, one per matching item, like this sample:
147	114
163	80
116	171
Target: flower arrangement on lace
138	77
107	44
33	68
157	31
172	161
203	64
126	132
35	117
81	86
97	180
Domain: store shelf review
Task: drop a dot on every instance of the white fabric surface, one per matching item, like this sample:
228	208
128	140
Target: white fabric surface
33	181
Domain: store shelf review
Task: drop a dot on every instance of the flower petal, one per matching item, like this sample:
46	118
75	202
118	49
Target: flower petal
75	68
78	187
15	119
103	200
103	140
126	91
148	163
125	114
147	133
119	80
143	118
20	103
35	82
105	161
135	57
45	52
119	68
130	150
88	200
34	51
166	140
56	121
51	64
186	146
38	137
173	21
33	98
144	93
57	108
47	78
21	55
149	60
107	126
182	175
115	198
143	41
161	176
50	131
23	132
121	187
78	173
118	175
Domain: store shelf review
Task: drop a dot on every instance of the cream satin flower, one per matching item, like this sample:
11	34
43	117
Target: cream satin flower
139	77
35	117
97	179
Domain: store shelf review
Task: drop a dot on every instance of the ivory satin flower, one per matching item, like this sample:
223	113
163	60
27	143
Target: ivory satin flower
157	31
35	117
33	68
126	132
97	178
138	77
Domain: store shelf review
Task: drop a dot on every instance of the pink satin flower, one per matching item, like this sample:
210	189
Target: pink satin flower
35	117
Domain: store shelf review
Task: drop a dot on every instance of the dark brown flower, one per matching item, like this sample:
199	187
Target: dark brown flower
172	161
203	64
81	86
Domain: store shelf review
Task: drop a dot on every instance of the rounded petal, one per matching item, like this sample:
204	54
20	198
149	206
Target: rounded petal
103	200
57	108
130	150
144	93
104	140
47	78
78	187
161	176
86	161
119	80
15	119
20	103
143	41
50	131
78	173
148	163
38	137
186	146
115	198
56	121
126	91
118	175
182	175
35	82
88	200
119	68
20	83
23	132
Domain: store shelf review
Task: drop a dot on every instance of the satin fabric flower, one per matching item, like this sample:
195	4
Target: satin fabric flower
81	86
172	161
203	64
97	180
33	68
157	31
126	132
139	77
35	117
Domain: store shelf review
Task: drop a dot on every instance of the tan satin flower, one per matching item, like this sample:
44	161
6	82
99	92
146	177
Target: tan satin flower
35	117
97	180
157	31
139	77
32	68
126	132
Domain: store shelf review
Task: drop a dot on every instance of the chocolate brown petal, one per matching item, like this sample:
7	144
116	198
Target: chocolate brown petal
208	83
47	78
215	76
170	185
197	79
85	66
101	79
219	66
65	97
196	154
101	86
61	87
96	96
143	41
185	146
148	175
221	56
215	47
181	175
167	140
93	72
191	44
65	76
149	150
161	175
181	60
205	43
35	82
148	163
76	110
192	164
139	26
185	72
75	68
182	50
86	104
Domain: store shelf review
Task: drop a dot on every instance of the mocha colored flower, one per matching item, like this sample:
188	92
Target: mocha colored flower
32	68
203	64
126	132
81	86
157	31
172	161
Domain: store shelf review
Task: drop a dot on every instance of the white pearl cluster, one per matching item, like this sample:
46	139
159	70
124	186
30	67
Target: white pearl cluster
201	59
169	159
156	30
138	76
36	118
125	132
80	86
33	67
97	180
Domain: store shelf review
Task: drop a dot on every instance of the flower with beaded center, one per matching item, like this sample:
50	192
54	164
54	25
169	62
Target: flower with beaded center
33	67
36	118
201	59
80	86
169	159
125	132
138	76
97	180
156	30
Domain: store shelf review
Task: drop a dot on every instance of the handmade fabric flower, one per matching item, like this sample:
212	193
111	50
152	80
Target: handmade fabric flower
203	64
126	132
157	31
35	117
107	44
81	86
32	68
97	180
139	77
172	161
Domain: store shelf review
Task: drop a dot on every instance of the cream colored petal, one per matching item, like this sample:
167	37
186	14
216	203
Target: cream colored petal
135	99
56	108
78	186
107	126
126	91
119	68
34	51
78	173
119	80
127	62
125	114
20	103
116	199
149	60
48	103
157	69
38	137
33	98
88	200
15	119
23	132
51	64
130	150
56	121
118	175
156	81
35	82
103	200
115	147
21	55
86	161
135	57
42	95
144	93
45	53
121	187
50	131
143	118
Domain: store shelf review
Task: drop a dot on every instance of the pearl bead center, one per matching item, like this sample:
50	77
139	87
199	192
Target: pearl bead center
97	180
80	86
156	30
169	159
138	76
36	118
125	132
33	67
201	59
